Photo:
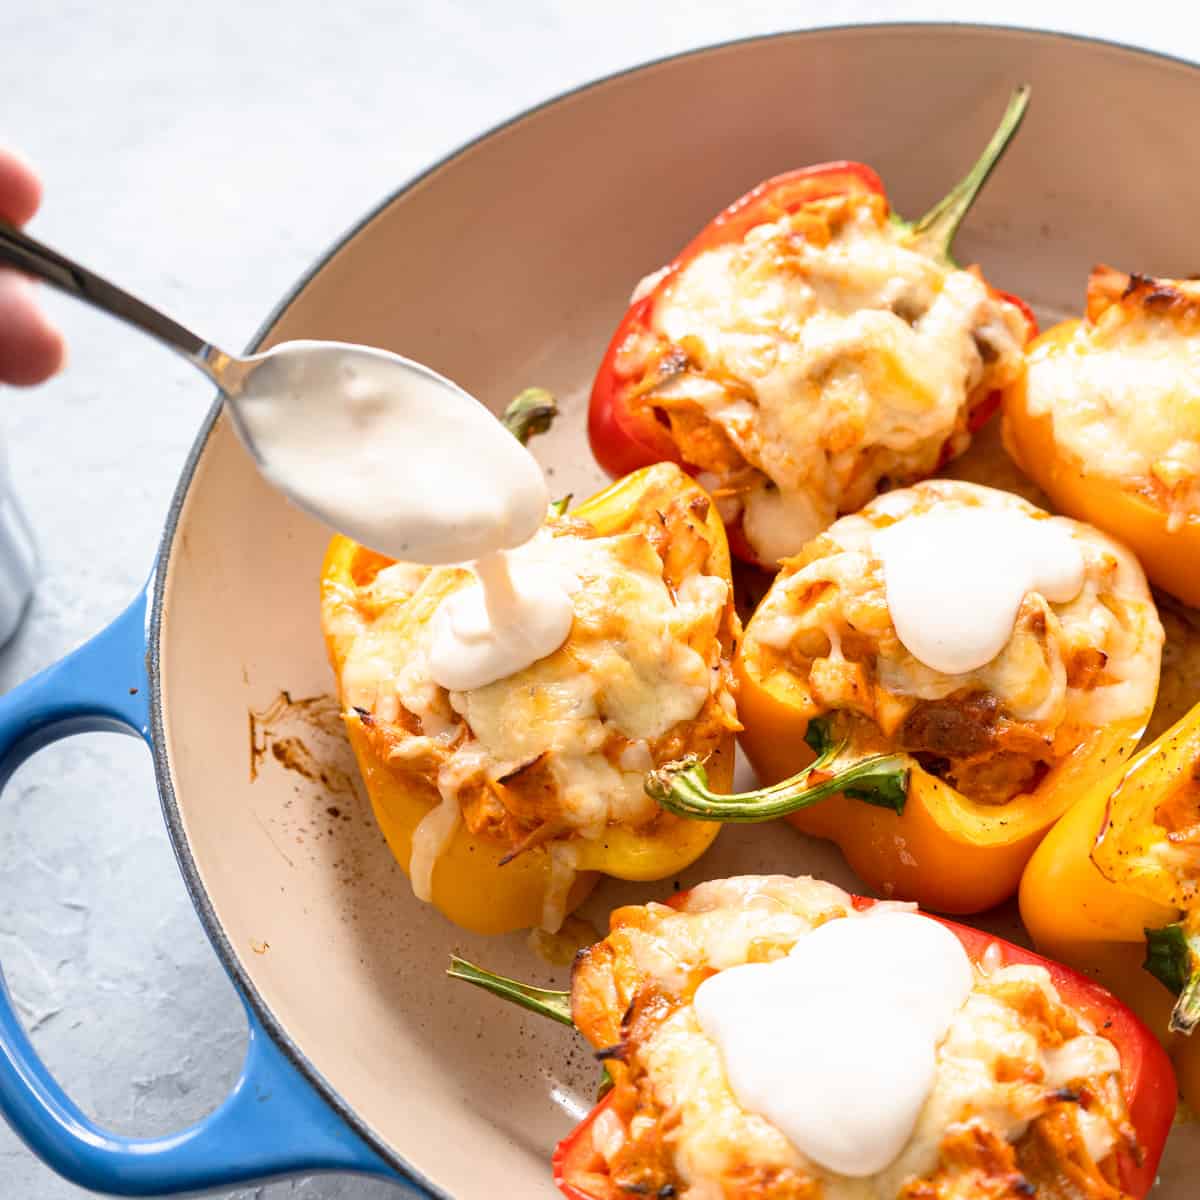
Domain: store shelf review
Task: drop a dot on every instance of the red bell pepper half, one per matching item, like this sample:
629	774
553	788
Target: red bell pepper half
626	436
1146	1073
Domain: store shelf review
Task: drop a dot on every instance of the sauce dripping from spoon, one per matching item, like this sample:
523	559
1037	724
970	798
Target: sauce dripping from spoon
407	463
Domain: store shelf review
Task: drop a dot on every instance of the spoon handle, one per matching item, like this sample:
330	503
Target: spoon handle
27	254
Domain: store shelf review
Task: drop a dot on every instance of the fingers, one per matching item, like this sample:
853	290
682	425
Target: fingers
31	349
20	191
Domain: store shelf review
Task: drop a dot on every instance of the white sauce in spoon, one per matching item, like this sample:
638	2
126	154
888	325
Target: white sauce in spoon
400	459
956	578
836	1043
390	453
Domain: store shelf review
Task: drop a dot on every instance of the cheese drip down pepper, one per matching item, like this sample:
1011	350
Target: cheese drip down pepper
672	1122
1114	890
1106	420
937	787
808	348
506	801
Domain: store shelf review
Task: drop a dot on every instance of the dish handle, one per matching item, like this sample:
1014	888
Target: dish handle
273	1123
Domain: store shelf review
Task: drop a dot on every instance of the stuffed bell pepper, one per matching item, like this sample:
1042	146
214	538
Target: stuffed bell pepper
771	1038
1115	891
962	665
808	349
503	802
1107	420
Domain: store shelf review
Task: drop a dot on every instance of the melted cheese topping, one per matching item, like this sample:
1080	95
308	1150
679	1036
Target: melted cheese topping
830	362
1066	666
626	670
640	660
1124	397
991	1064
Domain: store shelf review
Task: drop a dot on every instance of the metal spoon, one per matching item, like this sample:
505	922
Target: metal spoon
19	250
444	451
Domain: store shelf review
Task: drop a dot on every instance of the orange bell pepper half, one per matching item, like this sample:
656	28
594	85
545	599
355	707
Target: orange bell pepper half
834	750
1140	509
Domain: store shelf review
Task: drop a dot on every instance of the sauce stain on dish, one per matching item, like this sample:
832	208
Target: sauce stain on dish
561	949
272	731
310	807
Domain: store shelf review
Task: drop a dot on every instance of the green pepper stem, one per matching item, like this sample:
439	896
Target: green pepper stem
531	413
547	1003
1185	1016
881	779
1173	958
934	233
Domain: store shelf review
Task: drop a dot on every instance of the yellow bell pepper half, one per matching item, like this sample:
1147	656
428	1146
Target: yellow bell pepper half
1112	890
477	882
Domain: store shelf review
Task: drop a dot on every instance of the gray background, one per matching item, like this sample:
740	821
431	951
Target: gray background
203	154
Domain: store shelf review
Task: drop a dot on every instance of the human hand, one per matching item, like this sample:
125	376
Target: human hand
31	349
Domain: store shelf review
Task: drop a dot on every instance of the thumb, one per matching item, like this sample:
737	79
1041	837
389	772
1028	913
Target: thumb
31	349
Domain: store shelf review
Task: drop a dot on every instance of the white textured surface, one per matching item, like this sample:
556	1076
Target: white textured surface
204	155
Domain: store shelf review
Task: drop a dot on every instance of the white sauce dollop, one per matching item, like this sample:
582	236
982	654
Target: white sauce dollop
497	627
836	1043
955	580
400	459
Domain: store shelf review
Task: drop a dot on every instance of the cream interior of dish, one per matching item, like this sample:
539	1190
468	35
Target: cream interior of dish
853	361
991	1066
1125	401
639	660
837	593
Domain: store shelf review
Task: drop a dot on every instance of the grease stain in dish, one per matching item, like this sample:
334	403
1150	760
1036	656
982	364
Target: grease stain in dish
559	949
273	731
